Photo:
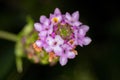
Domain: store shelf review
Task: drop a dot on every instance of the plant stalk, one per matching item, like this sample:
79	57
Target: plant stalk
8	36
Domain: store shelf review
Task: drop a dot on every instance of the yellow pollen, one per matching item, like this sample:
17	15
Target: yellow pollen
55	19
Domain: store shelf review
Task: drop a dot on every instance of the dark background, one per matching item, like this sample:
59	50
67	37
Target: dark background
98	61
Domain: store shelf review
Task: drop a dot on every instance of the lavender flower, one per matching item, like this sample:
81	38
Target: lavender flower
59	35
68	53
56	17
82	39
55	44
73	20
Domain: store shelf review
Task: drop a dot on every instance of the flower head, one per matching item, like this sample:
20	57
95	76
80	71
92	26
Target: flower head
60	34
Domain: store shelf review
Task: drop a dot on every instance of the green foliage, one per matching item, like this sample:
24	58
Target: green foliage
19	49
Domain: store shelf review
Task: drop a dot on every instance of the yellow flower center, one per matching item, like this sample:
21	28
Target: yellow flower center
55	19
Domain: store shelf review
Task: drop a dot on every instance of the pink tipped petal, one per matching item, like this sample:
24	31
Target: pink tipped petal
42	19
58	50
85	28
58	54
86	40
81	33
38	27
39	43
75	42
68	16
57	11
70	54
66	47
43	34
75	16
76	33
59	18
46	22
59	40
63	60
80	43
50	40
48	48
50	30
77	23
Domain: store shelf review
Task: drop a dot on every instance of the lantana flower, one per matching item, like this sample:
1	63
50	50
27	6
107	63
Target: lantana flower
59	34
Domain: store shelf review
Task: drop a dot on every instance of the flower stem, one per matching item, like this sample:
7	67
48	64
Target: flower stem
8	36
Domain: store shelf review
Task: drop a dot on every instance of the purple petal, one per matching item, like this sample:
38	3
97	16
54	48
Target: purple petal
42	34
46	22
76	33
66	47
58	50
75	16
39	43
63	60
70	54
50	30
77	23
73	44
59	18
42	19
86	40
80	42
47	48
68	16
81	33
85	28
50	40
59	40
57	11
38	27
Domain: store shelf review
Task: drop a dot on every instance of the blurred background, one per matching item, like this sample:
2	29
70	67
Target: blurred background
98	61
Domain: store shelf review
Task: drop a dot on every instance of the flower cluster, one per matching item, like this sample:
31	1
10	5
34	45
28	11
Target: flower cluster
60	34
